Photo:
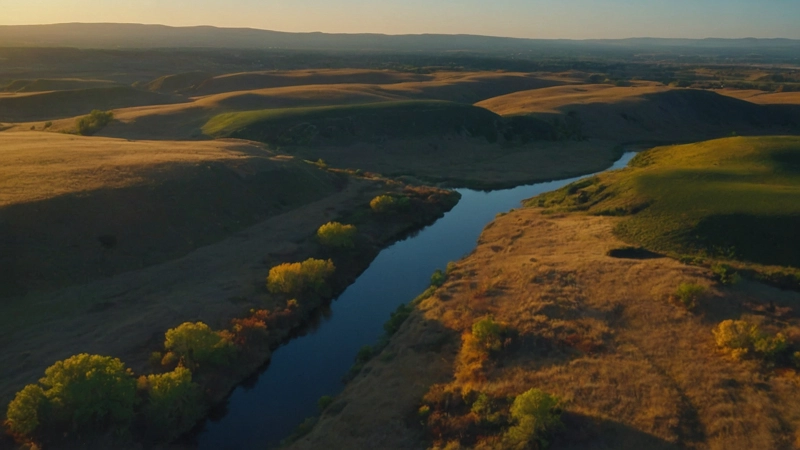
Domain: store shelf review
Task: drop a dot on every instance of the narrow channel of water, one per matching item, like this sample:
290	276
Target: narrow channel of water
313	365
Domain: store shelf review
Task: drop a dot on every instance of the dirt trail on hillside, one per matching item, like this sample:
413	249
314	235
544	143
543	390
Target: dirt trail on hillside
634	370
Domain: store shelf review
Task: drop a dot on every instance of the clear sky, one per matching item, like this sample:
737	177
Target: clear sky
577	19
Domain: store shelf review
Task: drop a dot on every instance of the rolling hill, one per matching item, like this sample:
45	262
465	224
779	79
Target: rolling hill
736	198
649	112
40	106
157	200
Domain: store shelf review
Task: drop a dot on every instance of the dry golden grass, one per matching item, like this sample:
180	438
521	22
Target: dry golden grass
633	369
650	112
274	90
552	99
36	166
764	98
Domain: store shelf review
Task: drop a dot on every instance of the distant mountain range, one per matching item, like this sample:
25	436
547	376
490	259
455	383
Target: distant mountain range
127	36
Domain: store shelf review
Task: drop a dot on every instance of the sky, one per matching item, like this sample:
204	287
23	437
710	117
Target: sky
573	19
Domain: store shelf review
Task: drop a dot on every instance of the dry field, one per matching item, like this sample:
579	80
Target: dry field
633	369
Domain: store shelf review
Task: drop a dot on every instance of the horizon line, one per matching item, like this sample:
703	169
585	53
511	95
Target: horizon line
400	34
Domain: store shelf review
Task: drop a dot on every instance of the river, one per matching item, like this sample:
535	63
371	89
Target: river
260	414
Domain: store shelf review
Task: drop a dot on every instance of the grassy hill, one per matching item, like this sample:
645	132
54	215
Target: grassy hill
349	123
737	198
650	112
71	103
60	84
185	120
59	194
177	82
263	80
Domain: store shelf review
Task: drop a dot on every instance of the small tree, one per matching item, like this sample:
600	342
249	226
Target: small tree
535	415
197	344
174	402
84	393
336	235
297	278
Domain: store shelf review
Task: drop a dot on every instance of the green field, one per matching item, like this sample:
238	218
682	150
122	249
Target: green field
735	198
337	124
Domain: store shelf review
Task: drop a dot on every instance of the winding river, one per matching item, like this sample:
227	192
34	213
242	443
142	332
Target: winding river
260	414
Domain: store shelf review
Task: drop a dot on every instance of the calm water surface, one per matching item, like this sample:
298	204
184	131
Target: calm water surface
313	365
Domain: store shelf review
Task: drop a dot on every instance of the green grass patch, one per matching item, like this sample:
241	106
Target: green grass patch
733	199
344	123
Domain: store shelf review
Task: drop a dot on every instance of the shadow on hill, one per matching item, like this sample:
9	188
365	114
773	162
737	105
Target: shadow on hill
591	433
770	240
71	103
79	237
633	253
679	115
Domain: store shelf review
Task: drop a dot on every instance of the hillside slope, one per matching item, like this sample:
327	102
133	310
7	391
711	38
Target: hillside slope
70	103
649	112
73	209
736	197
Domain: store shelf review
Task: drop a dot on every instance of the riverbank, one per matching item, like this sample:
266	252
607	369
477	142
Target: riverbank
126	316
590	329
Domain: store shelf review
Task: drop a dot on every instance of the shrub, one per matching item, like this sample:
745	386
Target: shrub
725	274
336	235
740	337
490	335
174	402
23	411
197	344
87	393
688	294
382	204
48	124
535	414
94	122
397	318
438	278
297	278
250	330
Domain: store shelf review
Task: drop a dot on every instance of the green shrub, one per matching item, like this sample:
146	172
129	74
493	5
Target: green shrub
484	408
48	124
688	294
725	274
84	393
397	318
310	276
196	344
490	335
336	235
535	414
94	122
174	403
740	337
438	278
